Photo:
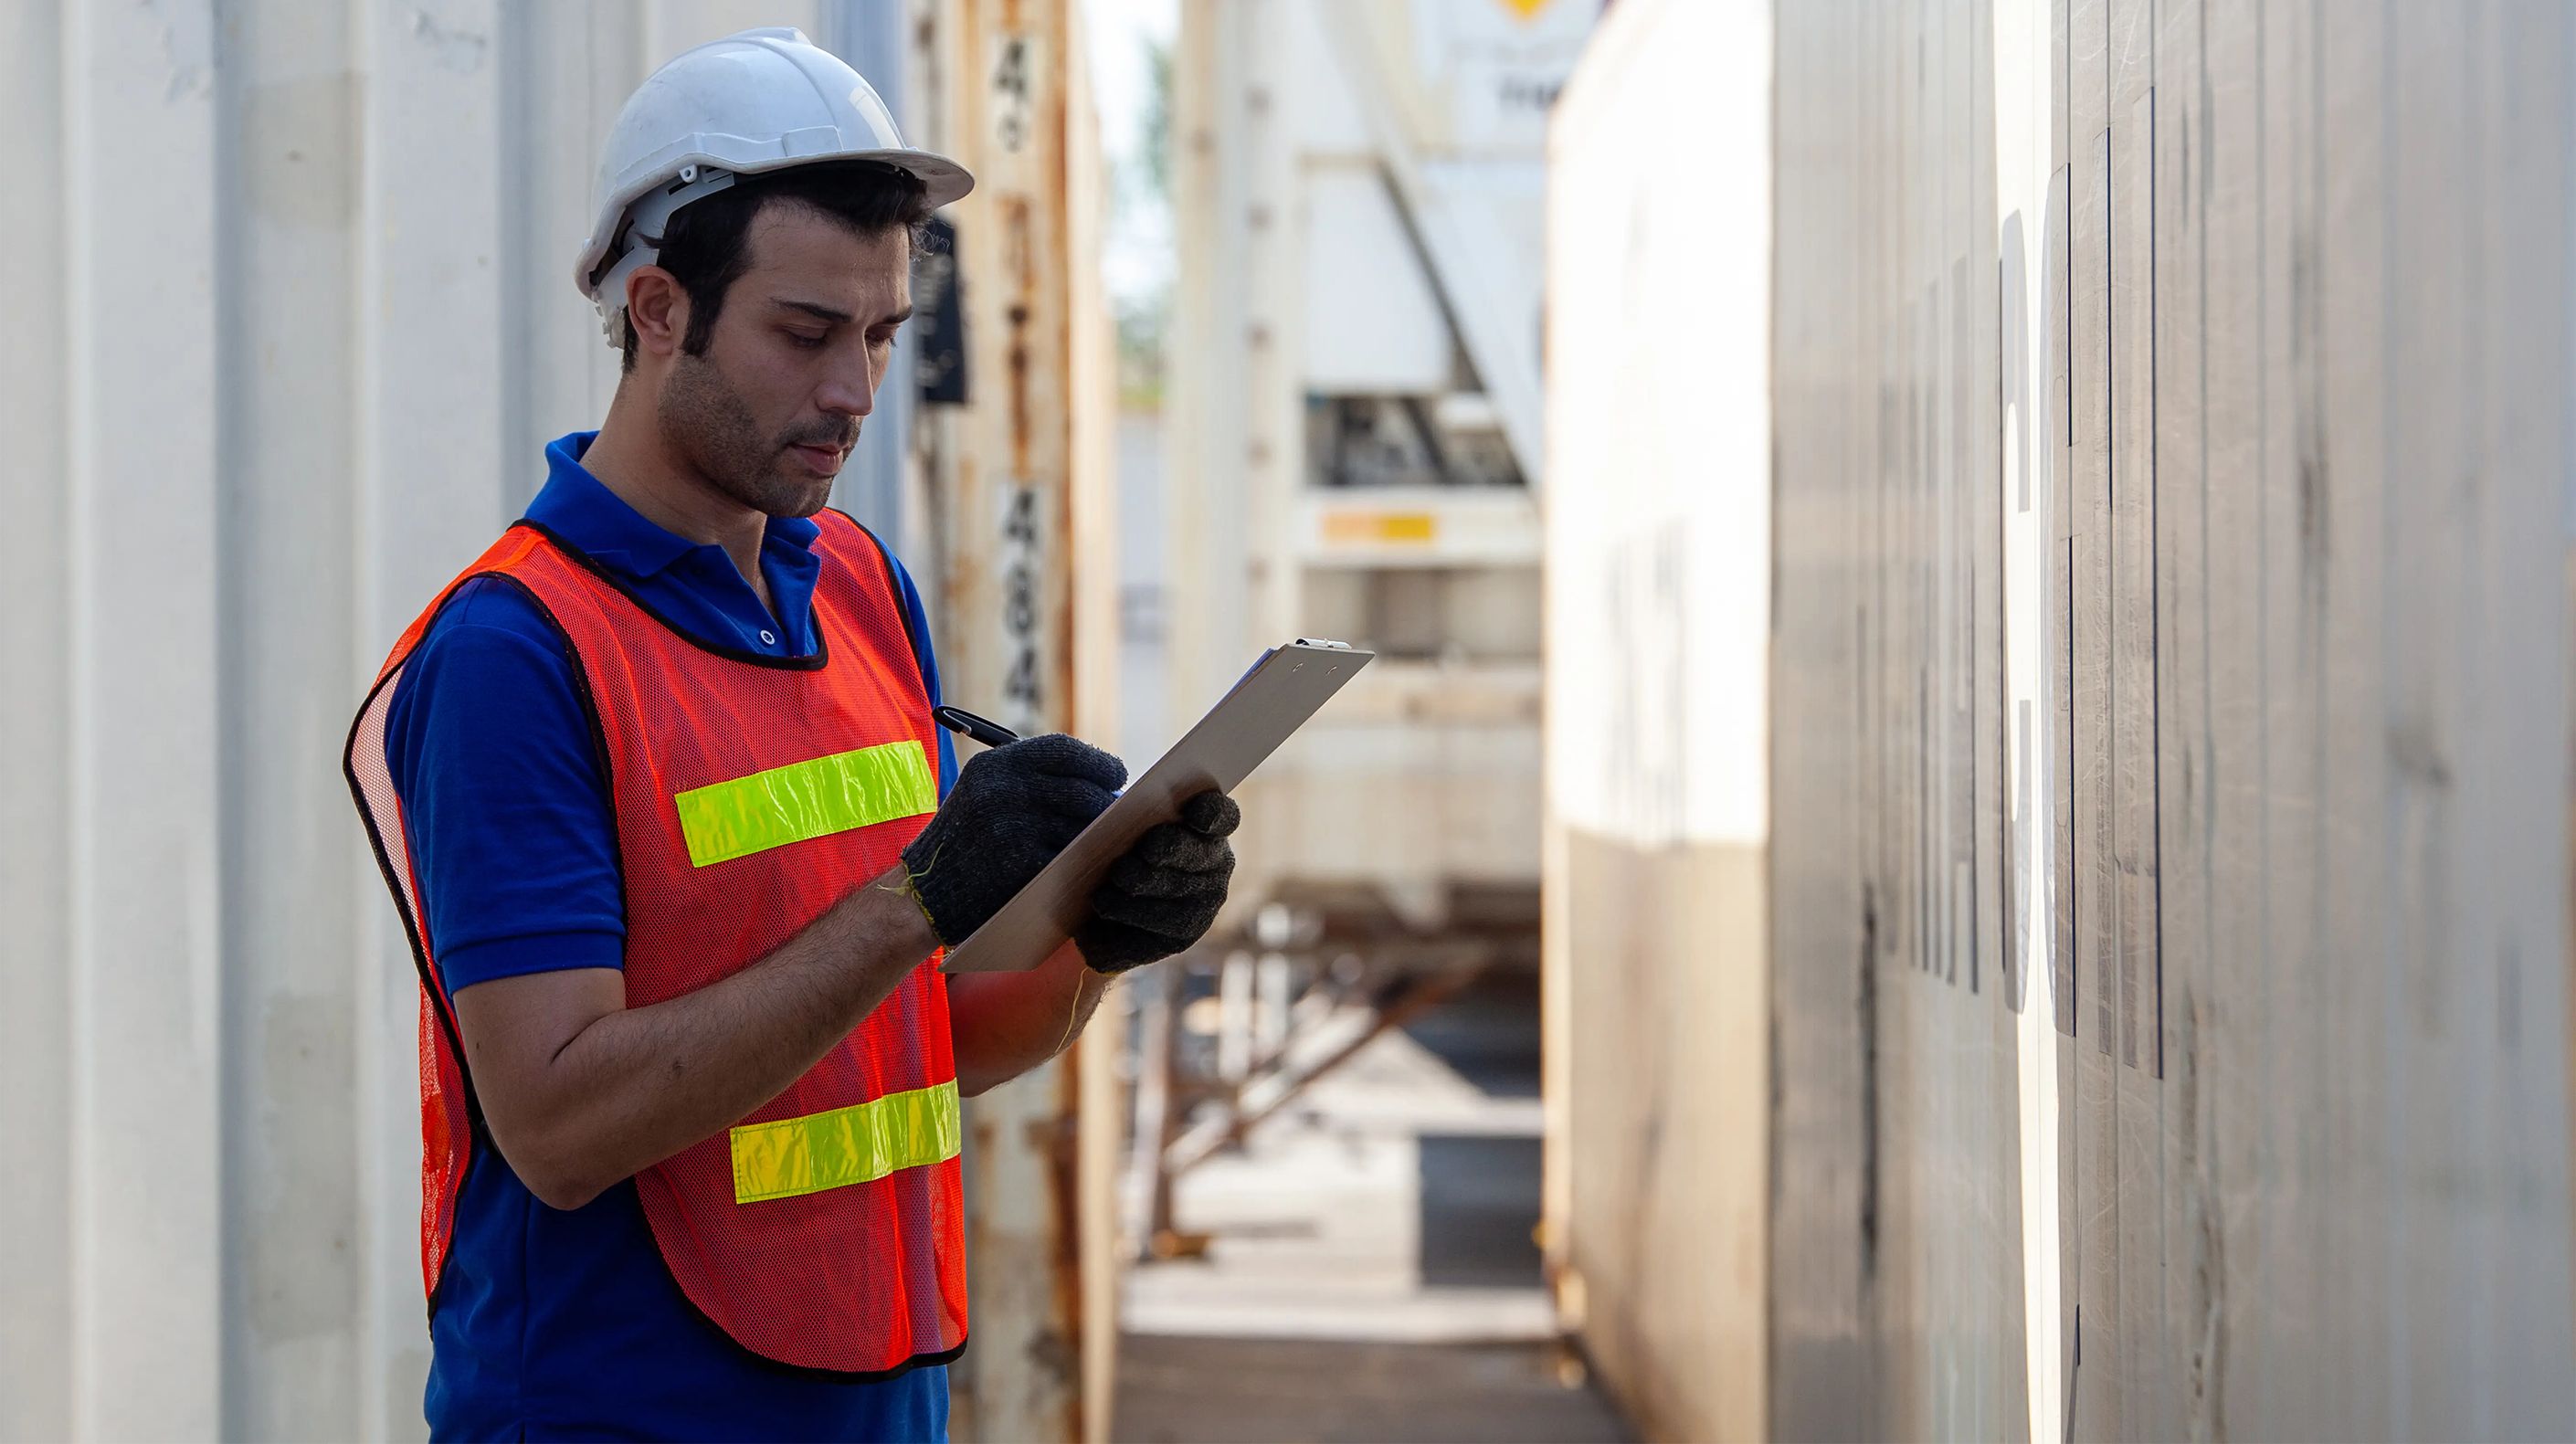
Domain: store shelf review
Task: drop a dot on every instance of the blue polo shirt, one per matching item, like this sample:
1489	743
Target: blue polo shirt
555	1324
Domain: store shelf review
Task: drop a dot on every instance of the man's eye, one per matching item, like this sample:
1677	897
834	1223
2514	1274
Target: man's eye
810	343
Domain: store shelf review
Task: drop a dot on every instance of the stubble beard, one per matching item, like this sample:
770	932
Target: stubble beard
706	421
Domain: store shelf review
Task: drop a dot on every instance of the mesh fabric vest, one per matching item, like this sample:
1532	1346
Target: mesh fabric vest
751	793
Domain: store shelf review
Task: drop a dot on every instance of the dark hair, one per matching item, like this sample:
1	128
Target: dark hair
706	244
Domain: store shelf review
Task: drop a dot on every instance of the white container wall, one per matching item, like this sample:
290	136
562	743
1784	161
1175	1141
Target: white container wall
1659	573
2162	889
290	321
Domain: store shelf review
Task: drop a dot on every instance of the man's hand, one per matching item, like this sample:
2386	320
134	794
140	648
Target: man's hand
1155	901
1013	809
1163	895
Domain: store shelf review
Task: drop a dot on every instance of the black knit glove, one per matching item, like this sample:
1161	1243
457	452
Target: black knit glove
1161	896
1012	810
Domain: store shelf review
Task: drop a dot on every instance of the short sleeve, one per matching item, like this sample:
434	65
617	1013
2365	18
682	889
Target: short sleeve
917	622
505	805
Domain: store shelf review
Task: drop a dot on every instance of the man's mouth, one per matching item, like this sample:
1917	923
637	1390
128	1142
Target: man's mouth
824	459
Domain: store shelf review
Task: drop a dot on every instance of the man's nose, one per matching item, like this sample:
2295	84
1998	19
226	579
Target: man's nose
849	390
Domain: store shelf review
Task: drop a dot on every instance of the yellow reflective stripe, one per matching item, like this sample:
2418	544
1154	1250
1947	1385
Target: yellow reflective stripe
856	1144
806	799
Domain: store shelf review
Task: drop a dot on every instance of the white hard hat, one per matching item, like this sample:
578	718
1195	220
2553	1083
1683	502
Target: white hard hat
756	101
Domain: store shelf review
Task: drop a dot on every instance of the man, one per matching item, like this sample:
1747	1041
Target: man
654	788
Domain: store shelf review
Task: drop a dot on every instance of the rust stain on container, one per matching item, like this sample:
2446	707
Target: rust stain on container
1063	1147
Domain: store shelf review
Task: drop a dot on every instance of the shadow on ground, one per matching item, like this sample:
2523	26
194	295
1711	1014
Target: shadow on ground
1175	1390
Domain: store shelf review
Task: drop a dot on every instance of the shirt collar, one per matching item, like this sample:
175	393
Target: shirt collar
580	508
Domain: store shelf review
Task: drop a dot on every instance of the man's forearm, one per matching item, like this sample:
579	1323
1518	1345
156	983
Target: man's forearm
633	1086
1004	1024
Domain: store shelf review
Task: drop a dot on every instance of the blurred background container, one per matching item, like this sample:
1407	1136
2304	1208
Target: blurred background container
1660	583
1337	1116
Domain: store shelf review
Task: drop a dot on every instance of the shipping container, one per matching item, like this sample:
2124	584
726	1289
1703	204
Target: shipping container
1659	573
2058	794
291	320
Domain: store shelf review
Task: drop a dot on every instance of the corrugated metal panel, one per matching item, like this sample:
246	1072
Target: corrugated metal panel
2169	809
2309	637
292	321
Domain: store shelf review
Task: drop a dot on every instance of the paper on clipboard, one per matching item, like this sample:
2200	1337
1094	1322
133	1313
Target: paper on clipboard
1272	701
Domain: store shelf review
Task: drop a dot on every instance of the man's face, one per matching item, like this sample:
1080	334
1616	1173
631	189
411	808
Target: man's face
770	412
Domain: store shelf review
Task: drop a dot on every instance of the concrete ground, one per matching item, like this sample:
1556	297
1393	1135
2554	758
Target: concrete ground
1394	1203
1175	1390
1370	1273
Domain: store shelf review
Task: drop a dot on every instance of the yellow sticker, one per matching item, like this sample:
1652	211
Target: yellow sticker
1380	526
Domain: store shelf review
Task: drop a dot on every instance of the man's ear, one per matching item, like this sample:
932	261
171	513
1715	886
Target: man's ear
657	308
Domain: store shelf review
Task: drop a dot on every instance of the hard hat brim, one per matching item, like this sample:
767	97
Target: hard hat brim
944	183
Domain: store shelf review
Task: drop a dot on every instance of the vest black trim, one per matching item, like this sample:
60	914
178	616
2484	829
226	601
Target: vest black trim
822	644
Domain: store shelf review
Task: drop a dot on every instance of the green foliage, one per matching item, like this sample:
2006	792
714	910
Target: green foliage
1146	185
1156	143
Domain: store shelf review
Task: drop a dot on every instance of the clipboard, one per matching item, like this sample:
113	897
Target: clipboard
1273	700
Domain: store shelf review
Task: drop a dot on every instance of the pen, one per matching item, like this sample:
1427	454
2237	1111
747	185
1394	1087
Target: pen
959	720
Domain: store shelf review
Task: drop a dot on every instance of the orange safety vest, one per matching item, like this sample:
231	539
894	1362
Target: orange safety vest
751	793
